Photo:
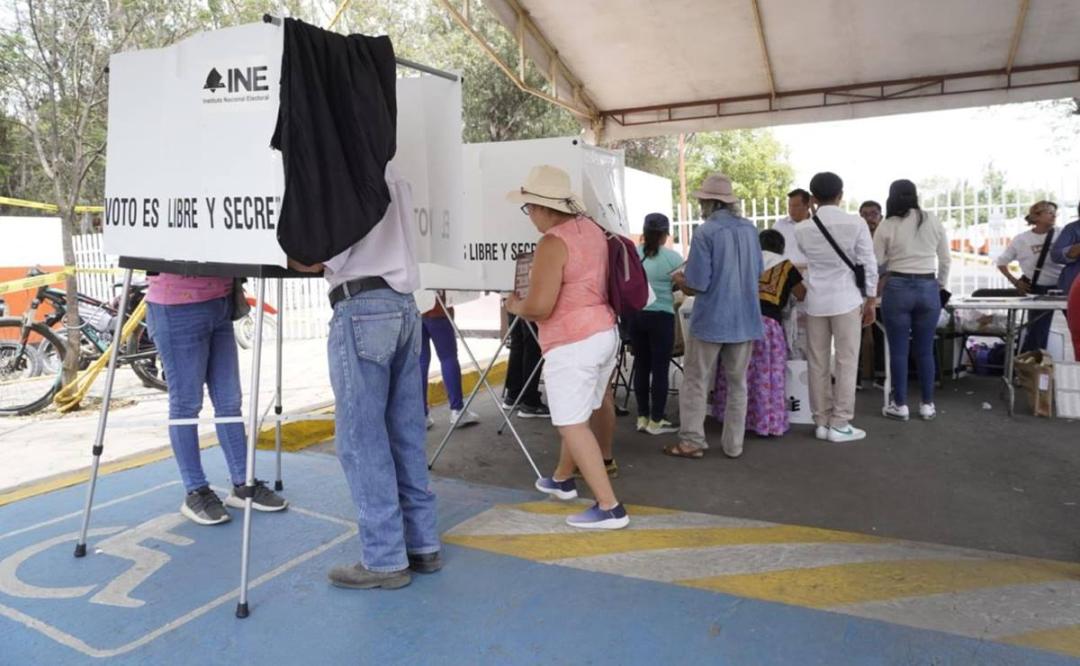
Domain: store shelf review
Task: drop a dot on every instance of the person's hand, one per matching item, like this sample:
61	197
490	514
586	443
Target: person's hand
679	279
513	304
869	316
303	268
1023	286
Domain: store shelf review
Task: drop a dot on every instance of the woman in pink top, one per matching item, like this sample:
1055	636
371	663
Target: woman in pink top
568	299
190	321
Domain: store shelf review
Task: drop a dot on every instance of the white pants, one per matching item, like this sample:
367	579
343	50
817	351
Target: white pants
576	376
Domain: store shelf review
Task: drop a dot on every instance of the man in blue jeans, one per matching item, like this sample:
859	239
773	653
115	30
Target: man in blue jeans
374	352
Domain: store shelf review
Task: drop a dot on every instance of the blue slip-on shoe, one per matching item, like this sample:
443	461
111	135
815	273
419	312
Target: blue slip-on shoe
595	518
564	490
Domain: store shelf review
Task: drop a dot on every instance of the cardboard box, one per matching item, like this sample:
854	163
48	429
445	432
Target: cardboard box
1035	374
1067	390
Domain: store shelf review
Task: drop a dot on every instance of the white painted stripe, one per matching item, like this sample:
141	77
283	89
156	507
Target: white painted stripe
506	521
984	613
73	514
676	564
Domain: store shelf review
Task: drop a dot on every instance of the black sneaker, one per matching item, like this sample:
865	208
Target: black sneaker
425	563
530	412
204	507
264	499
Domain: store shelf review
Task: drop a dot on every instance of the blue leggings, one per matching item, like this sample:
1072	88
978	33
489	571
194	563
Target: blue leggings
440	331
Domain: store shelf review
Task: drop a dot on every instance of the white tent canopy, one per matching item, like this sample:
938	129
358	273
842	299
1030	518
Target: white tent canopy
637	68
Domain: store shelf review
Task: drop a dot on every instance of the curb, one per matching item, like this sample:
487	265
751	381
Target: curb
295	436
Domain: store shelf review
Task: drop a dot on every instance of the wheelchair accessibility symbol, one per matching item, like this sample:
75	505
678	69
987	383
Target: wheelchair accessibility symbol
126	544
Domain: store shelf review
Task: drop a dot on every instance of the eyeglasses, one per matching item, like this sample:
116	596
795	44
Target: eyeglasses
525	208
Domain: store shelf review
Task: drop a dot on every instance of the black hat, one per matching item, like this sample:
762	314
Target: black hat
657	222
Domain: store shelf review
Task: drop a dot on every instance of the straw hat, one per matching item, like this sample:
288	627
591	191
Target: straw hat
550	187
717	187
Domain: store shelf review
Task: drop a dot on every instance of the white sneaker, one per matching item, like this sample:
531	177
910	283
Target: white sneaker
661	427
642	423
848	433
429	422
462	419
895	411
821	432
927	411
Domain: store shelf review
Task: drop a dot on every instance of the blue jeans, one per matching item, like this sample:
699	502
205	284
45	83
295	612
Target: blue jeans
197	346
440	331
374	352
653	337
910	308
1037	334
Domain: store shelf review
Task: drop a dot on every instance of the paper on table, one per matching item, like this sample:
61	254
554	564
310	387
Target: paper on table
522	270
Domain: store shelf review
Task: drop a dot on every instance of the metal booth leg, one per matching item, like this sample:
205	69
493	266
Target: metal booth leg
103	418
278	483
248	490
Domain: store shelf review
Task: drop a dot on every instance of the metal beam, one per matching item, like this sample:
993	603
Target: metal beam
764	47
580	104
1017	32
876	91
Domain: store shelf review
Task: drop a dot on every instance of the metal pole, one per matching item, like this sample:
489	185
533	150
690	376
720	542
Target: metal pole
278	483
103	417
248	489
521	393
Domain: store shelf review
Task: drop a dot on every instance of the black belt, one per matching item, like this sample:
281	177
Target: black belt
914	276
353	287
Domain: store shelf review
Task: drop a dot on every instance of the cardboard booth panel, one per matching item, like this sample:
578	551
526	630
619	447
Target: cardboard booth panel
191	176
498	230
646	193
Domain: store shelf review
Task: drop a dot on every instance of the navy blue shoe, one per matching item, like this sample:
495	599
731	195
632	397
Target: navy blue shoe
595	518
564	490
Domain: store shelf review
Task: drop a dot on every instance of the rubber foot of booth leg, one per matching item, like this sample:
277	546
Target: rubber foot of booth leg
242	610
80	550
279	486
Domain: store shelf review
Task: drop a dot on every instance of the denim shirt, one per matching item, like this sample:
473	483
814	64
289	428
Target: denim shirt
724	267
1068	237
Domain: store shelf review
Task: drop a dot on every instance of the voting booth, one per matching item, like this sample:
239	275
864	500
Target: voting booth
192	187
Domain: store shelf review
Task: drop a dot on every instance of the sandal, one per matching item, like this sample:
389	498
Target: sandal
678	451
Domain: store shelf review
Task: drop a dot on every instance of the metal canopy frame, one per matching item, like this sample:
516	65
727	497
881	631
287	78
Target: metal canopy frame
534	45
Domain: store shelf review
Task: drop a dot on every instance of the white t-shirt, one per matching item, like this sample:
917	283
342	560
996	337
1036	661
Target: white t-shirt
1025	250
830	284
389	249
792	253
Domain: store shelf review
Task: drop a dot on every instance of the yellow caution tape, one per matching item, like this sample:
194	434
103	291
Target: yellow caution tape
24	284
35	282
50	208
69	397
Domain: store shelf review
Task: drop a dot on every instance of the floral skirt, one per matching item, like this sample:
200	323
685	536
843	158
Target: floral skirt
766	408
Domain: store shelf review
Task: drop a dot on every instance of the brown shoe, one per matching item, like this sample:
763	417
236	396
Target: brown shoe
356	577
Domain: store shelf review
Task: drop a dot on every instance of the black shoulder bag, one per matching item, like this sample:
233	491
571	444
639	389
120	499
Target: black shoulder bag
1042	260
858	269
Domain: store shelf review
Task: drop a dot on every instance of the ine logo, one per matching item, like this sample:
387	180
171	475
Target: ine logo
238	80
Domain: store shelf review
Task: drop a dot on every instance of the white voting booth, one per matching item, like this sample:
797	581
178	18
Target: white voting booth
193	187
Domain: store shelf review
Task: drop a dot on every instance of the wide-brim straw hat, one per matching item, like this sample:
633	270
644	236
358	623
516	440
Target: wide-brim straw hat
717	187
550	187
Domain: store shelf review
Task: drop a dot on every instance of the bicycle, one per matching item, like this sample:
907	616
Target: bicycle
31	350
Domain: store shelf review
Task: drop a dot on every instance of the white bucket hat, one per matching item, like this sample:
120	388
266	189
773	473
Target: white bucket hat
548	186
718	188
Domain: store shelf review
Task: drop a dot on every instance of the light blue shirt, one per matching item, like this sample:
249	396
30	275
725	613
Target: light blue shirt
724	267
658	270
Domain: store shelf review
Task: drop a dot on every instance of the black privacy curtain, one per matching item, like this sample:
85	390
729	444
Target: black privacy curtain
336	130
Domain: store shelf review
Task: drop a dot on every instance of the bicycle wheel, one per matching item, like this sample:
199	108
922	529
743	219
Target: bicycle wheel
24	387
141	354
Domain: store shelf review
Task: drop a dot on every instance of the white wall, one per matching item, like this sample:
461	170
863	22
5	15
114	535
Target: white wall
646	193
28	241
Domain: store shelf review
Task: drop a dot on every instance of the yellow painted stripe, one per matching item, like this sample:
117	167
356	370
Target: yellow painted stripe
823	587
543	547
1065	640
568	509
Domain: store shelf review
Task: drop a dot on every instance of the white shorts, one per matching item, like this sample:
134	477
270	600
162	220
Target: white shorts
576	376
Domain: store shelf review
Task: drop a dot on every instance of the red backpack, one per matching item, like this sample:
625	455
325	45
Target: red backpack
628	287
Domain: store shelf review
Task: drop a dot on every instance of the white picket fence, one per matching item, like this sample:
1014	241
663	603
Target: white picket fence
307	310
